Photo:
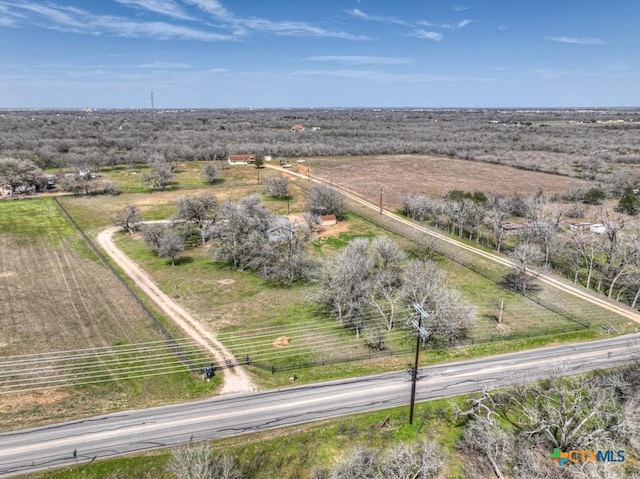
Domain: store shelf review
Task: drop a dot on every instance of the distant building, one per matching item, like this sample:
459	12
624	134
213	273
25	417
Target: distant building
579	226
591	227
516	227
241	159
7	190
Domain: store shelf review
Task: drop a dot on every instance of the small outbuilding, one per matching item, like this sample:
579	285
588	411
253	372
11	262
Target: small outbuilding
328	220
598	228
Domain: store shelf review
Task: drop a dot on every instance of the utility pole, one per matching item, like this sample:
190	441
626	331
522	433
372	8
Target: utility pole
414	373
153	107
380	199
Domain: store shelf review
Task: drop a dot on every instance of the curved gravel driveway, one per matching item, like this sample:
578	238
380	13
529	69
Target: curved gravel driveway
235	380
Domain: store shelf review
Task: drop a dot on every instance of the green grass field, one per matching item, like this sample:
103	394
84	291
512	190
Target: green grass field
57	297
63	298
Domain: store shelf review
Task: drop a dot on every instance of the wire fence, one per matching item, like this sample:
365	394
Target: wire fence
315	354
179	352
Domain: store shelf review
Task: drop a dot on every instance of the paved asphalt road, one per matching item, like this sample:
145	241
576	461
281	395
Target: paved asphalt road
100	437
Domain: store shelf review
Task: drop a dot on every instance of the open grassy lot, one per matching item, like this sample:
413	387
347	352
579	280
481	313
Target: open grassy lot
279	329
73	301
58	297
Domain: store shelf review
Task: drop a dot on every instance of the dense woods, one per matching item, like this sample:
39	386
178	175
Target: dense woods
583	143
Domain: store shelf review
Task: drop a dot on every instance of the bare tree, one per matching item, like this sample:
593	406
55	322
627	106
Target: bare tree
567	413
625	258
159	176
170	245
418	207
128	218
359	463
284	258
211	172
589	246
496	217
361	285
524	255
614	224
323	200
197	210
240	231
277	187
191	462
344	283
19	173
152	233
488	442
449	315
197	461
421	460
424	246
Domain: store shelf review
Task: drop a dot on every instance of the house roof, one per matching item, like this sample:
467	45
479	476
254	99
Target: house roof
280	229
242	157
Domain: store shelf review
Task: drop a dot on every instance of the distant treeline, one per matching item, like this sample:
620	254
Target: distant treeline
582	143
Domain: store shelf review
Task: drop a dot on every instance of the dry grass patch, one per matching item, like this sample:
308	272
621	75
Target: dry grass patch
431	175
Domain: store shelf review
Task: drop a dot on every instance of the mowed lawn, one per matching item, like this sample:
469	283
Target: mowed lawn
56	297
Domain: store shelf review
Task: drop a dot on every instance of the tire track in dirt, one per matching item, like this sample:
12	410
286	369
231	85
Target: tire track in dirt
235	380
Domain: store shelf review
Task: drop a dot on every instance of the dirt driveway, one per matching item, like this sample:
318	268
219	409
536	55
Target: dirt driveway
235	380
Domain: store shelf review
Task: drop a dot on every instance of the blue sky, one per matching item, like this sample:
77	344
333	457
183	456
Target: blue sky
322	53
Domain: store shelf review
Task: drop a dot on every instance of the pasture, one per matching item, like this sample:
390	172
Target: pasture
62	298
58	300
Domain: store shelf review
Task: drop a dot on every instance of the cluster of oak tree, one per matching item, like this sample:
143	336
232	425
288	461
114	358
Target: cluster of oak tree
24	176
607	261
370	286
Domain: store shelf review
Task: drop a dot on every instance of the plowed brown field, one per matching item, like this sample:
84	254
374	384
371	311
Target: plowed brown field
433	176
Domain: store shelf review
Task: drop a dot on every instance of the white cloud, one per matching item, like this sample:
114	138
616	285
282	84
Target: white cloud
552	74
164	65
294	29
160	30
423	34
228	27
213	7
362	60
163	7
376	18
447	26
391	78
7	22
576	41
460	8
